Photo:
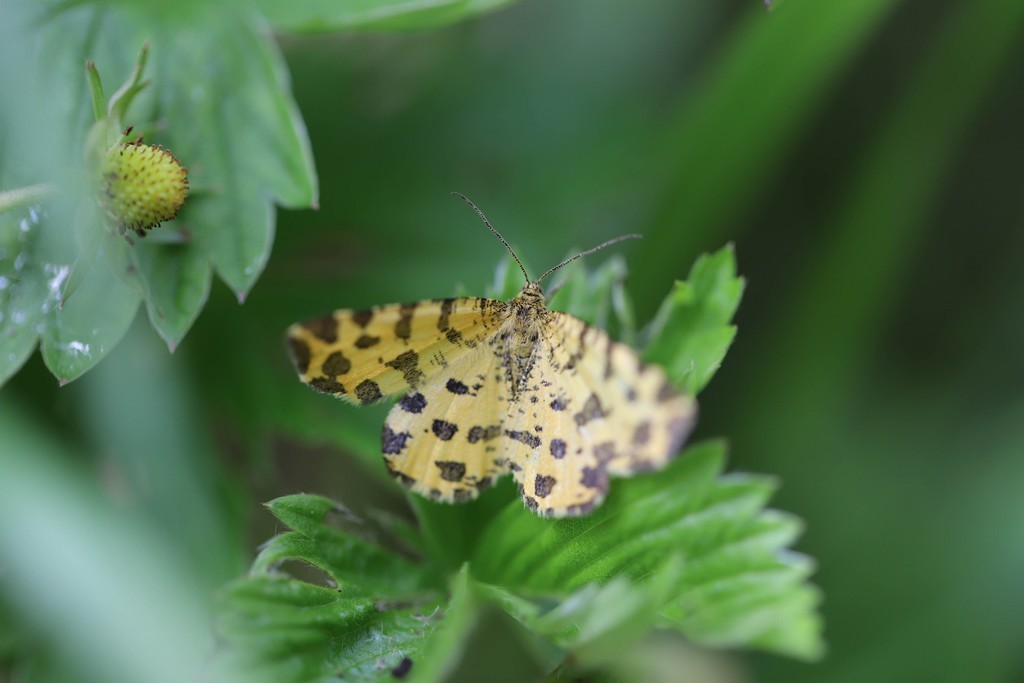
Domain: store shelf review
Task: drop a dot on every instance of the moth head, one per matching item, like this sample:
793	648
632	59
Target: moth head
532	293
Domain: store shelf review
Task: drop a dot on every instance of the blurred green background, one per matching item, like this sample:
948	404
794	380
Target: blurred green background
863	156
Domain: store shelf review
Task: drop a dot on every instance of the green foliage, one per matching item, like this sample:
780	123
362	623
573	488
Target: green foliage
76	291
691	333
687	549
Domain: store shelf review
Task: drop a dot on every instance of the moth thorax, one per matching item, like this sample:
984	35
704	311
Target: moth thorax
525	343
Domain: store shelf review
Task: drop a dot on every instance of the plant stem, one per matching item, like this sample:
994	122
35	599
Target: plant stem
23	196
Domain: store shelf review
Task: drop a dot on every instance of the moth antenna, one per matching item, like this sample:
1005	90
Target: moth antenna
496	233
632	236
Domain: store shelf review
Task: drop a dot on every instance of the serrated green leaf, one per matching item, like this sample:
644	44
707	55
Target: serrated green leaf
390	15
691	333
178	278
715	524
288	631
348	559
753	600
383	611
597	619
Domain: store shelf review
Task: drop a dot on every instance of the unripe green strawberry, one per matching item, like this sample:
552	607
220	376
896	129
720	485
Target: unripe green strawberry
142	186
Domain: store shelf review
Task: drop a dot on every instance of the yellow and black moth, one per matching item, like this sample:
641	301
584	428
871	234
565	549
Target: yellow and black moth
494	387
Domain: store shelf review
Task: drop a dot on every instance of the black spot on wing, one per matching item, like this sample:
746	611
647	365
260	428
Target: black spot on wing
403	328
591	410
531	440
444	430
392	442
604	451
559	403
366	341
531	503
678	430
477	433
595	477
542	485
558	448
582	508
408	363
368	391
327	385
336	364
667	392
451	470
299	351
642	434
363	317
413	403
446	311
456	387
403	479
324	328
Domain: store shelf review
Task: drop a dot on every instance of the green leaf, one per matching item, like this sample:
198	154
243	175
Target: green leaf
691	333
390	15
597	619
22	290
382	612
179	278
236	128
715	524
346	558
757	600
220	92
91	321
289	631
